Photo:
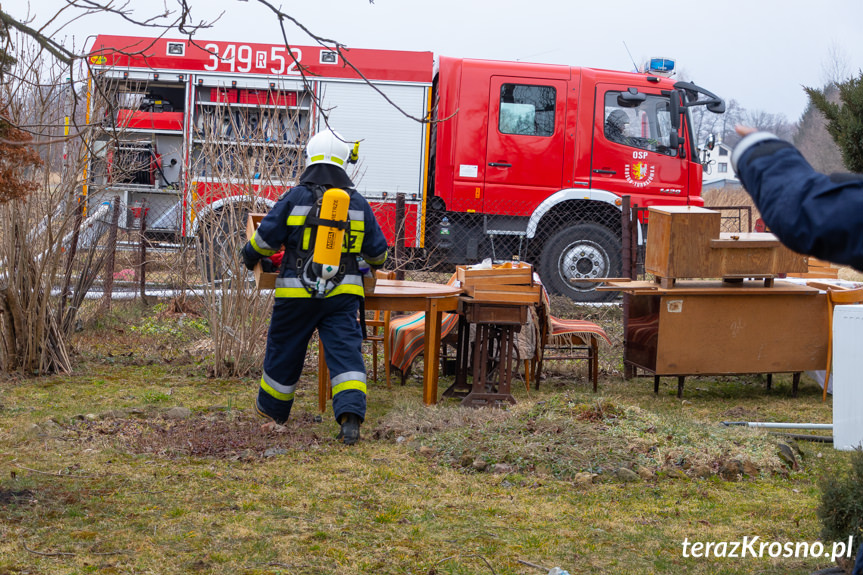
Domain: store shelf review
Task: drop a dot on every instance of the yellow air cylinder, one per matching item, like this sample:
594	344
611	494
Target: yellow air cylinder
328	242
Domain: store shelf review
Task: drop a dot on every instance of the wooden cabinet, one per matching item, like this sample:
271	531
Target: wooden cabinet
712	328
686	242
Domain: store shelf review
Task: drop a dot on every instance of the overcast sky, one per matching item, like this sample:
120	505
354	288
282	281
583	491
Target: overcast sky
758	52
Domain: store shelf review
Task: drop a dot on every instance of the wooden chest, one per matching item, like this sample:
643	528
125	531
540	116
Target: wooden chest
686	242
263	280
510	283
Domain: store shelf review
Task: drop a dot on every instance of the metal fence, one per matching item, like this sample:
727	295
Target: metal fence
143	261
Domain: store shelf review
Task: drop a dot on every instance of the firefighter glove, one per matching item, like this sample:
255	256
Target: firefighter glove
248	261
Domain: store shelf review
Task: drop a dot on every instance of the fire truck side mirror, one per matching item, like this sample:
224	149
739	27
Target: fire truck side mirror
711	141
717	107
632	98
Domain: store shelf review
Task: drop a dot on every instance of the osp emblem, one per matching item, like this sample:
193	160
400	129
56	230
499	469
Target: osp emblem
640	174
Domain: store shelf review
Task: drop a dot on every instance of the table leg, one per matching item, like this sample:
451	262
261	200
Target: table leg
387	353
432	345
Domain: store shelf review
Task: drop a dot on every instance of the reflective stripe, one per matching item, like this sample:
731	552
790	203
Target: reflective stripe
261	246
307	238
378	260
301	292
353	279
356	215
260	243
359	376
277	390
320	158
353	384
358	225
292	293
289	283
298	214
295	282
350	385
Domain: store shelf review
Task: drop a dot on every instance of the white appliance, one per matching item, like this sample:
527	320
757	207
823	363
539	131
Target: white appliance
847	376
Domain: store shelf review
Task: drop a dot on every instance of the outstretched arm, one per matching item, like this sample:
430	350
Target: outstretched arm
810	212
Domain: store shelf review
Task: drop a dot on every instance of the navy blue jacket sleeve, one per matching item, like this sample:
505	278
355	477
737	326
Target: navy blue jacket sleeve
810	212
271	233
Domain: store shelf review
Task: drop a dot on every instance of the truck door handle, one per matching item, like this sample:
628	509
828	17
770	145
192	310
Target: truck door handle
500	165
609	172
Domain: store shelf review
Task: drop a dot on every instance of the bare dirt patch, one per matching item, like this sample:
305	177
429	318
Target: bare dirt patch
13	496
220	436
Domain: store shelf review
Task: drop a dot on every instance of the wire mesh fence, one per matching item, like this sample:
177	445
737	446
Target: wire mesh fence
173	202
143	264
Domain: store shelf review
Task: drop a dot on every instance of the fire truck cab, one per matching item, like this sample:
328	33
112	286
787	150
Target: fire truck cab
535	158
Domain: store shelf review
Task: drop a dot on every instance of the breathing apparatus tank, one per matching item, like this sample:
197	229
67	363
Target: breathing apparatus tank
327	255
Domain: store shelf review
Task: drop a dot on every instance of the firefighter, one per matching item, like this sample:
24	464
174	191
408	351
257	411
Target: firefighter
617	127
310	295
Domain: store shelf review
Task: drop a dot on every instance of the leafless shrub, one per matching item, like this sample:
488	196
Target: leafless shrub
42	231
247	166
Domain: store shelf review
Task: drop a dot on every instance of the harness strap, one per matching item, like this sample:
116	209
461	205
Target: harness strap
304	259
312	220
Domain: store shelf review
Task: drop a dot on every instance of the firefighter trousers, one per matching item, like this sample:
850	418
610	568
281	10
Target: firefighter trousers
293	322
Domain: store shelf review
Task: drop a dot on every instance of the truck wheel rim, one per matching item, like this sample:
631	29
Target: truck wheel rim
583	260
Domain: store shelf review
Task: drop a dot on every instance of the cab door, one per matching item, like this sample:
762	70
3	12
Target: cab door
637	159
524	157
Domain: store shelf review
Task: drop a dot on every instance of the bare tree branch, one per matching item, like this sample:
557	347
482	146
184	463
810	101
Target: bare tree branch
56	50
341	49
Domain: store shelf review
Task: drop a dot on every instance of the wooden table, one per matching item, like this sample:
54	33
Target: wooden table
717	328
399	295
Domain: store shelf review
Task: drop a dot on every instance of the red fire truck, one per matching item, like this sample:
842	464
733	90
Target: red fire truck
521	159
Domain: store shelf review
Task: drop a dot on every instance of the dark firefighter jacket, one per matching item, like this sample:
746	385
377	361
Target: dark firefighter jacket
285	225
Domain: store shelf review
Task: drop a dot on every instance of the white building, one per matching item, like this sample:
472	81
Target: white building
719	173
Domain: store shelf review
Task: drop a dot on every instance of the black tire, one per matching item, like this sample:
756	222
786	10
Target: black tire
585	250
220	238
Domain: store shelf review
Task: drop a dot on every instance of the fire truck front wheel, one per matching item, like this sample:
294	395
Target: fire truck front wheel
583	251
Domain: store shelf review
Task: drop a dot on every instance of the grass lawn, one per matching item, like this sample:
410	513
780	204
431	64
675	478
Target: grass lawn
104	471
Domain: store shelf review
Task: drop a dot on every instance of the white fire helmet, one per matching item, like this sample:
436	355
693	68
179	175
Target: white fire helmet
328	147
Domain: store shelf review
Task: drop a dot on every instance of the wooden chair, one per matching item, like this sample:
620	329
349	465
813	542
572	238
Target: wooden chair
407	338
378	332
566	339
836	296
570	339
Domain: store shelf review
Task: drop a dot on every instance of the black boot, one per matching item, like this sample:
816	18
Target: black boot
350	432
260	411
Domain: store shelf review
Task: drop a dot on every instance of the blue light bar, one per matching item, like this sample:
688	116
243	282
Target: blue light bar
663	66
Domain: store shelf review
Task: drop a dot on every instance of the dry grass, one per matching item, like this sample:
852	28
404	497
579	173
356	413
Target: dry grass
97	474
727	197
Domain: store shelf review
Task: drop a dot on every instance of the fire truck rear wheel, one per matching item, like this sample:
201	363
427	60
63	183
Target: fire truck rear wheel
220	238
580	251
